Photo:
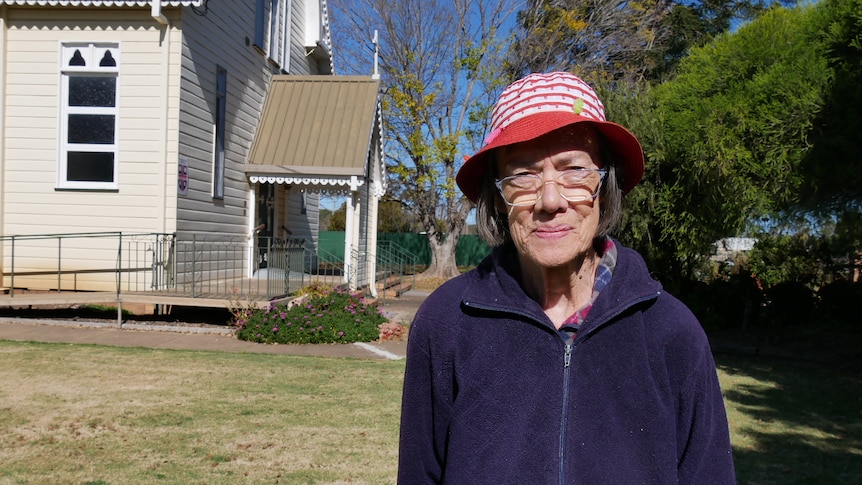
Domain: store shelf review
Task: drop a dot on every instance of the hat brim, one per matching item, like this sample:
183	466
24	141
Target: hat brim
621	142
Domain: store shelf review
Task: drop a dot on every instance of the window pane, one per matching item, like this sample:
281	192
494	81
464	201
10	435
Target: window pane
98	129
108	60
220	128
259	21
77	59
90	167
92	91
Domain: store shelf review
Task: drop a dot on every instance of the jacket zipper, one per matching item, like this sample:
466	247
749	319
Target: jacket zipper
567	360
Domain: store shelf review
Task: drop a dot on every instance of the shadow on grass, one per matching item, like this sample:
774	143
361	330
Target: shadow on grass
212	316
793	422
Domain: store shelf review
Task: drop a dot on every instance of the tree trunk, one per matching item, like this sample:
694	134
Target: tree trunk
442	258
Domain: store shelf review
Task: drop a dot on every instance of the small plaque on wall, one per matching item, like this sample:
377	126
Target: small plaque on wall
183	176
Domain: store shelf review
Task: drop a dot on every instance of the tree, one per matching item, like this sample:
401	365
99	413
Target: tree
623	41
594	38
693	24
393	218
735	128
437	66
634	106
833	162
338	218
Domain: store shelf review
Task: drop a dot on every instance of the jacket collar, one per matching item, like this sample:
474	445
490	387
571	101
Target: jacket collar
499	289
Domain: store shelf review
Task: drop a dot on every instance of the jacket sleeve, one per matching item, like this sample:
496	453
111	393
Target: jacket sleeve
425	409
703	438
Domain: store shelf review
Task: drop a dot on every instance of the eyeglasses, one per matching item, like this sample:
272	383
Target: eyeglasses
573	185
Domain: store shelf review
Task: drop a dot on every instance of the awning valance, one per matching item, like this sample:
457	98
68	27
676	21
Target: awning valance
322	185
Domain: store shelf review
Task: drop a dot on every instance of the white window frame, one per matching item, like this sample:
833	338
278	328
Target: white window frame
92	53
274	30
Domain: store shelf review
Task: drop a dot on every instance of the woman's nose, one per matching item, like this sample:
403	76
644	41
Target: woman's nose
550	199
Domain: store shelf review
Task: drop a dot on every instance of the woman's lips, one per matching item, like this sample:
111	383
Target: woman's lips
551	232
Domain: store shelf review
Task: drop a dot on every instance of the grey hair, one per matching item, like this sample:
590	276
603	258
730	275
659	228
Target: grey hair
492	223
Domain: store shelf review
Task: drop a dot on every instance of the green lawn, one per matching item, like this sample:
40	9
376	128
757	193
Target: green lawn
792	422
102	415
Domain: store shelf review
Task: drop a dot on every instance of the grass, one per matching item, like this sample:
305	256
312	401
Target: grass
102	415
793	422
106	309
89	414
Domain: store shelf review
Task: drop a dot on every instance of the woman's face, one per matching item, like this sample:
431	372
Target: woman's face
552	233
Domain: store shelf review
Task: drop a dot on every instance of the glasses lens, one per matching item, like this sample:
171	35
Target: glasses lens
574	186
520	189
579	184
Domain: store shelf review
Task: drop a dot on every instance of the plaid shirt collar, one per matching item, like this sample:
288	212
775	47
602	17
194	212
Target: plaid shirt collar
604	271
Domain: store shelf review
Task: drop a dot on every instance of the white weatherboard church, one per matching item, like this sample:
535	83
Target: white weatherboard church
131	129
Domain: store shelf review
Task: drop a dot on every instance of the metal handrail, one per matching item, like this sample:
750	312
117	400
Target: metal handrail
186	265
393	258
59	272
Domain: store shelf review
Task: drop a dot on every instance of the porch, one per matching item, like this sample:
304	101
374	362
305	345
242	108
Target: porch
166	270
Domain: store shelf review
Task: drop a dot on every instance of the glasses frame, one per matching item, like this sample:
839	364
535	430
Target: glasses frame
603	173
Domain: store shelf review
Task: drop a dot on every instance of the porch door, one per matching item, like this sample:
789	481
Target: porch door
265	222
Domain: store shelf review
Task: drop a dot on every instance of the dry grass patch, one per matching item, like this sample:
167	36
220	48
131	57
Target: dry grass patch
103	415
428	284
87	414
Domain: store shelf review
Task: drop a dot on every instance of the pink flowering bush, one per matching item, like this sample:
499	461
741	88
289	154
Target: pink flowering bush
325	317
391	331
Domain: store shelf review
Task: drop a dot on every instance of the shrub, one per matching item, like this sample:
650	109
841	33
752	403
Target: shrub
839	301
731	303
391	331
315	290
324	317
790	303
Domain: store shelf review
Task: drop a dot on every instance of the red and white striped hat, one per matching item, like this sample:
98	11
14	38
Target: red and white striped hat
539	104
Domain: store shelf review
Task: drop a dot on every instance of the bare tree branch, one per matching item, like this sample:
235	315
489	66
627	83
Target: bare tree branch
440	64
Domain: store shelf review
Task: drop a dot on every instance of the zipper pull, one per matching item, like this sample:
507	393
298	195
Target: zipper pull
568	357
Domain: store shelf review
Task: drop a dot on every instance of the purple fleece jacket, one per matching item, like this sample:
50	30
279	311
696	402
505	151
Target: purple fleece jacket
494	394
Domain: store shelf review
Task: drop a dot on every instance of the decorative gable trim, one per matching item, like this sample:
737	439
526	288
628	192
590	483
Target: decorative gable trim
101	3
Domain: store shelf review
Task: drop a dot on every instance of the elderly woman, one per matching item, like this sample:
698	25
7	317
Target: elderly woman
558	359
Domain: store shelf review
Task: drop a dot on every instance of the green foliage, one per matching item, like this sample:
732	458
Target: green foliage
735	126
338	219
693	24
324	317
391	217
803	276
847	236
832	166
634	106
782	258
